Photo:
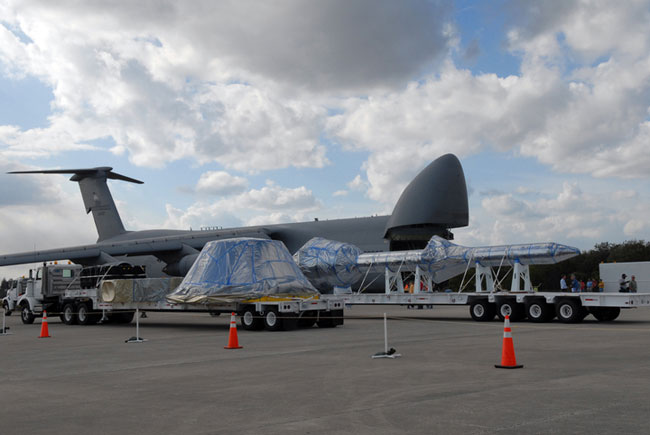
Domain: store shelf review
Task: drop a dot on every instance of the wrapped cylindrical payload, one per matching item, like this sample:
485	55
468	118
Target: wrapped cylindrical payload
328	263
444	259
242	268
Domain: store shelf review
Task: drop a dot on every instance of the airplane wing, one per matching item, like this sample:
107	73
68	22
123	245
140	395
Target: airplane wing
162	246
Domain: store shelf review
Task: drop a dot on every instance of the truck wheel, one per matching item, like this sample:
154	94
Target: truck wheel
85	316
26	315
509	306
605	314
570	311
272	320
482	311
69	314
6	307
539	311
251	320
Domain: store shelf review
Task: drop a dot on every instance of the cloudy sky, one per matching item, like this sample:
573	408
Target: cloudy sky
249	112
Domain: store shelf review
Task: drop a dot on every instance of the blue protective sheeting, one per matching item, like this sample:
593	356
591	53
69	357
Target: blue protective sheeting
242	268
328	263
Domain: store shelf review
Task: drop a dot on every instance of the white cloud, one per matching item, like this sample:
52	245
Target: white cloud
591	120
220	183
230	83
268	205
636	228
38	213
572	216
358	184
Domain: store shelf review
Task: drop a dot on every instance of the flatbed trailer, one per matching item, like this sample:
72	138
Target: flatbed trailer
410	276
122	298
536	306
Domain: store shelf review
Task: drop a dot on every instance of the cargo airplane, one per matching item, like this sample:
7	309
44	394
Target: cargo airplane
434	202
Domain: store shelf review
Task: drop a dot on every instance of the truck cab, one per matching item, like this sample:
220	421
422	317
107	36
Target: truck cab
17	289
45	288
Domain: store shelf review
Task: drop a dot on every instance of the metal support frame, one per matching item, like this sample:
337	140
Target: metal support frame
394	283
519	272
422	281
483	272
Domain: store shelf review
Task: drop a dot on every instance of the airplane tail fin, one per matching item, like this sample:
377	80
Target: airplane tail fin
96	196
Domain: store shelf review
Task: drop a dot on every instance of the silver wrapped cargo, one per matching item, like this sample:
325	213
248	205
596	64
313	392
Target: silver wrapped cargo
243	268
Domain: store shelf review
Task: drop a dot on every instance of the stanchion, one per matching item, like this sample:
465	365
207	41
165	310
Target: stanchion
137	338
387	353
4	329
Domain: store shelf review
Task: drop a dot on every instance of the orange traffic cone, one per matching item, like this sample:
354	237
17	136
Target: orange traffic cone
233	343
508	360
45	332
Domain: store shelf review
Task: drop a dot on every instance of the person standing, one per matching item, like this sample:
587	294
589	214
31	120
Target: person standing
563	286
633	285
575	285
623	284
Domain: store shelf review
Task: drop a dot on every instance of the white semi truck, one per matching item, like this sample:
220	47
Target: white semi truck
62	289
17	289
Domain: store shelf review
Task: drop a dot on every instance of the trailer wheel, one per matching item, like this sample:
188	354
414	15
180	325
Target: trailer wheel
482	311
68	314
605	314
289	321
5	305
510	307
85	316
570	311
123	317
539	311
272	320
251	320
308	319
26	315
325	319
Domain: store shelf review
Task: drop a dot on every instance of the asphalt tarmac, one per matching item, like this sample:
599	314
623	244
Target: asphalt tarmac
586	378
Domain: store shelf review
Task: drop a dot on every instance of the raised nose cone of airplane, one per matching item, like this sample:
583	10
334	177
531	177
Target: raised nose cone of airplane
434	201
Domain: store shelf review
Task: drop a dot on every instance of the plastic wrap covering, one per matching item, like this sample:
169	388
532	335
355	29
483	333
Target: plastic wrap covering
236	269
154	289
444	259
328	264
122	291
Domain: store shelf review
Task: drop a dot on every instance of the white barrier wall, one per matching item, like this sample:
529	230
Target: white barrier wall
610	273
